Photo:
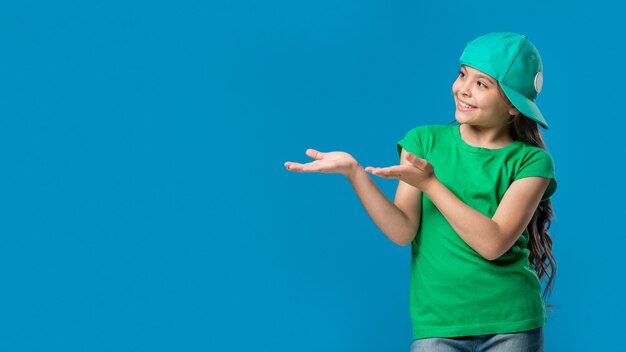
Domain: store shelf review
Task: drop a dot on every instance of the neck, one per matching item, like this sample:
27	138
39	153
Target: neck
486	137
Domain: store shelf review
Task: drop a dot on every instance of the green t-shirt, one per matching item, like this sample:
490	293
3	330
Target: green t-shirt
454	290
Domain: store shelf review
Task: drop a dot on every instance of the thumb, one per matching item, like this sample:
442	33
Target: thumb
415	160
314	154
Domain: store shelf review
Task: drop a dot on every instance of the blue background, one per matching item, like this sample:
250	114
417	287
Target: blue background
144	205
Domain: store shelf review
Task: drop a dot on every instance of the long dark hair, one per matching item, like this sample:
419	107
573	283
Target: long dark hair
539	241
522	128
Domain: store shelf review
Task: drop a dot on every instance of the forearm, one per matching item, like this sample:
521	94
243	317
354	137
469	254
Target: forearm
477	230
390	219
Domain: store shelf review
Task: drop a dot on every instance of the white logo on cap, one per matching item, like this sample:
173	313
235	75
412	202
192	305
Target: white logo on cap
538	82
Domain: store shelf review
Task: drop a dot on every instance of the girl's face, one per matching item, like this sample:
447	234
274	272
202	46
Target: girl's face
479	101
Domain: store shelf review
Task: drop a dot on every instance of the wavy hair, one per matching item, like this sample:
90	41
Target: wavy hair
522	128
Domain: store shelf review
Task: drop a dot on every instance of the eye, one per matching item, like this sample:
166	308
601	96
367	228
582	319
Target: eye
461	74
482	84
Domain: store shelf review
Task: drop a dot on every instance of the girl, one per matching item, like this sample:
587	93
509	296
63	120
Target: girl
473	202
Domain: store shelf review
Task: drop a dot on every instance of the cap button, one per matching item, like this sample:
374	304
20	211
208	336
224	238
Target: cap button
538	82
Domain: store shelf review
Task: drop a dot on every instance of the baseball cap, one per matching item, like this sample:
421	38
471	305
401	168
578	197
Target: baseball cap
513	61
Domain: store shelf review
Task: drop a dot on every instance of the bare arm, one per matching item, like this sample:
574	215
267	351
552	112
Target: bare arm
398	221
490	237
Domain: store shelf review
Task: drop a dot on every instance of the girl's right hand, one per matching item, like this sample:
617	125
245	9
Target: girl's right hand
329	163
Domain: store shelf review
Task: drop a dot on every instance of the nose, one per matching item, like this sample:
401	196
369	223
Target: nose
465	89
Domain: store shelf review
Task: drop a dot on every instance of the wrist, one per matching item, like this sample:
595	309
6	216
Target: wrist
429	185
354	170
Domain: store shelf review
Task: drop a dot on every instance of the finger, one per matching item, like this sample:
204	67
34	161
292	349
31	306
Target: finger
315	166
376	171
291	166
387	172
415	160
412	157
372	169
314	154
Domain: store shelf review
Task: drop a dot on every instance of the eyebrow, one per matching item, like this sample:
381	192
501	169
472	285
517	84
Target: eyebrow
480	75
489	79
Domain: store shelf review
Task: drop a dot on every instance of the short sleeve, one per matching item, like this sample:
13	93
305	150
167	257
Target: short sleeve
540	164
413	141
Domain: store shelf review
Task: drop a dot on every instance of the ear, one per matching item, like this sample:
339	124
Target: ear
513	111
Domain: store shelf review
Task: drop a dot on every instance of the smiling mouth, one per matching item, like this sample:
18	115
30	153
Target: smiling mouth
464	106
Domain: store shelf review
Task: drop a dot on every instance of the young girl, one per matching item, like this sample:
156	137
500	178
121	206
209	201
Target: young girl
473	202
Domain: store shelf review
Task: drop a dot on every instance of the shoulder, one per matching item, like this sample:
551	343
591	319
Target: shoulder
529	154
536	162
428	129
420	139
427	132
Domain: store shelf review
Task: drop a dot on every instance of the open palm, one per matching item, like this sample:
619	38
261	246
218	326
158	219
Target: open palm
330	163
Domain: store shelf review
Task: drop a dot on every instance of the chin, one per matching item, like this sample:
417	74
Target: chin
459	117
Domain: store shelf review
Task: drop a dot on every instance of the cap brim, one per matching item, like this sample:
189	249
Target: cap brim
524	105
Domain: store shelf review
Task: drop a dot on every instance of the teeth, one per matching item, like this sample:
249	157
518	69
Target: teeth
465	105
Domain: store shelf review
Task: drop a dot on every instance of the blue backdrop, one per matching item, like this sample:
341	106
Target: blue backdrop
144	205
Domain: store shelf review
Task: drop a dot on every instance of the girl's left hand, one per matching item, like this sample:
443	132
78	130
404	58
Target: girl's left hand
418	172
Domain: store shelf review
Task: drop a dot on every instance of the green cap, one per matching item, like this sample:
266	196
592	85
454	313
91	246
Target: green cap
513	61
